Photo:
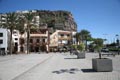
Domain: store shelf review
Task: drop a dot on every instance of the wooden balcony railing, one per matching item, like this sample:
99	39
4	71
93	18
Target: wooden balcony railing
64	38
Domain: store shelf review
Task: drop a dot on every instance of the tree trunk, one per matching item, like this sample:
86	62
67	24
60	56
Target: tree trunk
86	45
11	47
48	41
28	37
99	54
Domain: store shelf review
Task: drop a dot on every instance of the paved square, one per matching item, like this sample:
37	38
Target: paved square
54	66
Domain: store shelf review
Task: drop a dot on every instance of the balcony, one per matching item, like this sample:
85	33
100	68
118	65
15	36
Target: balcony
64	38
61	44
38	35
38	44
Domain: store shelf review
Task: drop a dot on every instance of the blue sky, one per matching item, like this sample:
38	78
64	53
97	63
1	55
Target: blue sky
100	17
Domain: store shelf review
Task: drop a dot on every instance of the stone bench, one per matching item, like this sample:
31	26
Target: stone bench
108	54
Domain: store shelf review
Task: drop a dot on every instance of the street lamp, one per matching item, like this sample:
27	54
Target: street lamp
117	42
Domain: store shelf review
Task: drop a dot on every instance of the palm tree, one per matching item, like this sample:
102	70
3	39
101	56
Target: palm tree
98	45
85	36
11	21
28	18
20	25
77	36
21	29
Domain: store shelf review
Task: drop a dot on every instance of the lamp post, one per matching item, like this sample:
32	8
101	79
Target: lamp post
117	42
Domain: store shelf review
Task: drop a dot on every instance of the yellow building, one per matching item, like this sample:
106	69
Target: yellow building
60	39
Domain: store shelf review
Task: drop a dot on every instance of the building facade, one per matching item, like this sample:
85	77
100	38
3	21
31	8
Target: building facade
16	41
60	39
54	29
4	39
23	42
2	19
39	39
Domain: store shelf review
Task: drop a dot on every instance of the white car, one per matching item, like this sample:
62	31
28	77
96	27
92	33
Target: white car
104	50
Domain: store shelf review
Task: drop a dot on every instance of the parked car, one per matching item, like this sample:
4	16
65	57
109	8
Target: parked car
91	50
104	50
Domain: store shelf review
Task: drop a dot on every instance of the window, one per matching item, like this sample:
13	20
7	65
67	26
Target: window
22	41
16	38
31	40
62	35
37	40
1	41
43	40
14	32
1	34
68	35
16	44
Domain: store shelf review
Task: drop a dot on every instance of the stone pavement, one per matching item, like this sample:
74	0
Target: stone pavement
54	66
14	65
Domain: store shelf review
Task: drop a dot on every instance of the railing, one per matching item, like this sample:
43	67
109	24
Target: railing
38	35
64	38
39	43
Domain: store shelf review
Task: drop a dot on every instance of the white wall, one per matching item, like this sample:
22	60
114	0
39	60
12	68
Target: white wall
4	38
74	39
15	36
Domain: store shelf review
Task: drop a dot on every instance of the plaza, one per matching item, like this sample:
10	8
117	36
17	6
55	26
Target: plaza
54	66
46	39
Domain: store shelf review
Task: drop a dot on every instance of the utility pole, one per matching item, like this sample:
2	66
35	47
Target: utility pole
118	43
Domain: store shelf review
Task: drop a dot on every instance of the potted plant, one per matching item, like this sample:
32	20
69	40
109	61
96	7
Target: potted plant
73	49
101	64
80	51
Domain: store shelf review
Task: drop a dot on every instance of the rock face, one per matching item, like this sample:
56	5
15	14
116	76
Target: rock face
55	20
62	20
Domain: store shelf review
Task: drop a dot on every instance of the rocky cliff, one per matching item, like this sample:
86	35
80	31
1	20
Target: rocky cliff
57	19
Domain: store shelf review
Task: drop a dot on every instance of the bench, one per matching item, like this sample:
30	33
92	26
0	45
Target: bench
108	54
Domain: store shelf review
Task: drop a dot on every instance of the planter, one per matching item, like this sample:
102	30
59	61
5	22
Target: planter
75	52
102	65
81	55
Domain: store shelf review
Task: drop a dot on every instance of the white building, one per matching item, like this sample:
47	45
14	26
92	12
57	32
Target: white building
15	40
2	19
73	37
3	39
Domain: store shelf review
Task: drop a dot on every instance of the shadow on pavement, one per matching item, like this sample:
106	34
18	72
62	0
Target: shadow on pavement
71	71
88	70
71	58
